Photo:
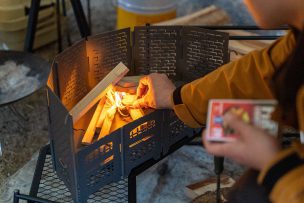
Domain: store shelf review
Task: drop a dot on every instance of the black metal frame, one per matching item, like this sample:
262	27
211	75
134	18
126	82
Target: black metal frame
33	17
32	197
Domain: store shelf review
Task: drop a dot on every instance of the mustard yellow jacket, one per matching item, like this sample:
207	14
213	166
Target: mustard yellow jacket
249	78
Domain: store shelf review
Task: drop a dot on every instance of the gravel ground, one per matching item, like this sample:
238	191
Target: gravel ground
23	130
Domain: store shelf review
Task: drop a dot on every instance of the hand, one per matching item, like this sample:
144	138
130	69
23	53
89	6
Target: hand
155	91
254	147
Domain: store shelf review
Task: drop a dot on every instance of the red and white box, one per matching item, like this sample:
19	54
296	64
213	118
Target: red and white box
254	112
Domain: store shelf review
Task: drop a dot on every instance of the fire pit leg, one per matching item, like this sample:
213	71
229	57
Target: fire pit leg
132	188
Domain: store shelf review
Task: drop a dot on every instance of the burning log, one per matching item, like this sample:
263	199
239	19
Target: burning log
128	100
98	92
108	104
106	127
136	113
89	134
103	114
117	111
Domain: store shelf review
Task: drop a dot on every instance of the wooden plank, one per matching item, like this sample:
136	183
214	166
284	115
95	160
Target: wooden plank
98	92
89	134
206	16
208	185
108	104
136	113
106	127
129	81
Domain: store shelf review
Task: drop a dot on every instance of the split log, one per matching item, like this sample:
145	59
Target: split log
129	99
103	114
110	101
106	127
206	16
136	113
89	134
98	91
128	84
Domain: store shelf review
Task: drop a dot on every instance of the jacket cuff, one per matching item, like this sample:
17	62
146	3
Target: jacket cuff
283	164
182	111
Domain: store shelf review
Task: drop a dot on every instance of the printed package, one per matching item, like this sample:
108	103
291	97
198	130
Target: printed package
254	112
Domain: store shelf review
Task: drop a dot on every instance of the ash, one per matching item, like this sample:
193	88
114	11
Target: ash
14	79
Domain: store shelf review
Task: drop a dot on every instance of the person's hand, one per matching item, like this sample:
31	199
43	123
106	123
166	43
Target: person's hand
154	91
253	148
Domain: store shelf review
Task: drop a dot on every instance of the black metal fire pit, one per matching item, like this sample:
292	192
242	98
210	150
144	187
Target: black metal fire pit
183	53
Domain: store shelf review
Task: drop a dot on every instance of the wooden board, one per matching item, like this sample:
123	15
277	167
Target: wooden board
136	113
239	48
206	16
209	185
98	92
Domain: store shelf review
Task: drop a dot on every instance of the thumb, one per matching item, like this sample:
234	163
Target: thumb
142	86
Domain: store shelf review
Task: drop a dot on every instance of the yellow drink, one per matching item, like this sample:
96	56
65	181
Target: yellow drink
130	17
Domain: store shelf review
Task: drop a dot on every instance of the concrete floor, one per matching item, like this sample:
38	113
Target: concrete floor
187	165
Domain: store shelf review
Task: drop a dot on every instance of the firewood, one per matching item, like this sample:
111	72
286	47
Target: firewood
103	114
239	48
136	113
106	127
89	134
108	104
206	16
128	99
129	81
98	92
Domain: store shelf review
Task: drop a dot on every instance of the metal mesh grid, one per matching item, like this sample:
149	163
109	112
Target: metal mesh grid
52	188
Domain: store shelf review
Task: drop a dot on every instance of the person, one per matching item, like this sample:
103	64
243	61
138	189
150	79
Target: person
274	72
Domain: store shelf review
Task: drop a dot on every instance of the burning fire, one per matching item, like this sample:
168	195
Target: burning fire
116	103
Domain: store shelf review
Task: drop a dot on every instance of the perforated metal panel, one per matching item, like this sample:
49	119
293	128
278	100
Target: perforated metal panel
60	141
142	140
203	52
105	51
99	164
52	188
71	67
156	50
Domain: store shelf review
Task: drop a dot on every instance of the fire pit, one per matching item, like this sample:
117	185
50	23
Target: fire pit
183	53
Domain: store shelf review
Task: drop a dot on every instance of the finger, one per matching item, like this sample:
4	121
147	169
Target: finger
142	86
140	103
141	90
237	124
217	148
